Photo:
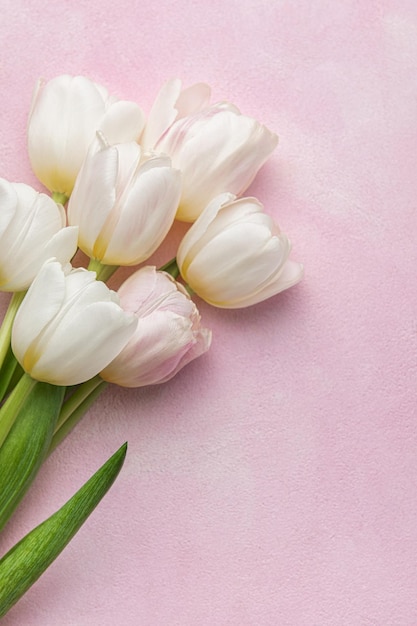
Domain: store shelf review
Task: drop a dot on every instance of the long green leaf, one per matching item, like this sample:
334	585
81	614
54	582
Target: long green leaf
26	445
29	558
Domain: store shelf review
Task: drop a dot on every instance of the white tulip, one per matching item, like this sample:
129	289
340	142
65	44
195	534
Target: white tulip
217	150
69	326
234	255
168	334
32	230
66	112
123	202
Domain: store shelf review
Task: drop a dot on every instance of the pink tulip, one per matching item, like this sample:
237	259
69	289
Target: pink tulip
168	334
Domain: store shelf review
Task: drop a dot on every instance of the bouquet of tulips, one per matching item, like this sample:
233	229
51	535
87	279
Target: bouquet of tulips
117	182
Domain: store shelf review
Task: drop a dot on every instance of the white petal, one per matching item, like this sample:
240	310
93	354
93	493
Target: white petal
190	243
88	341
290	275
170	104
41	303
147	214
123	121
162	114
94	196
22	268
8	204
62	124
62	245
193	99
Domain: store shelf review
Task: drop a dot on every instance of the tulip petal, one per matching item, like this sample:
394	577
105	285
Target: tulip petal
41	303
123	121
8	203
190	243
37	218
217	219
162	114
148	211
62	245
155	350
21	270
137	289
193	99
108	330
291	274
35	233
73	108
94	196
170	104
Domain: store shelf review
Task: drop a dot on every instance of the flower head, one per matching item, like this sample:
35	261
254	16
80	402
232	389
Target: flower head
234	255
124	202
66	112
168	334
32	230
69	326
217	150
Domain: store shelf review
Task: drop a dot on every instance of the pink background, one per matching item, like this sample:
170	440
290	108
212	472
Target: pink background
272	482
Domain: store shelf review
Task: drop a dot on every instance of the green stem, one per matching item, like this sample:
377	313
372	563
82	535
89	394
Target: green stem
6	327
7	372
60	198
171	268
102	271
75	408
13	404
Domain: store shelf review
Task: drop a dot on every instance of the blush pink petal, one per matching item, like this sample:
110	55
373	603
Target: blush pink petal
168	334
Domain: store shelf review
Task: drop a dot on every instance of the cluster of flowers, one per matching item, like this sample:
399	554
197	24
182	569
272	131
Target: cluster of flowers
126	179
65	335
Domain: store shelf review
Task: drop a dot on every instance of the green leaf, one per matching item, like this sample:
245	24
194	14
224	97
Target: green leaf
27	444
29	558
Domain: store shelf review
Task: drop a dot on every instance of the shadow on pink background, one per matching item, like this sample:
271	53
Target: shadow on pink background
273	481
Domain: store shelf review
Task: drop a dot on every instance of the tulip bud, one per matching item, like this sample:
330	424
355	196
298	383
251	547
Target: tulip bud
69	326
168	334
234	255
172	104
32	230
123	203
217	150
66	112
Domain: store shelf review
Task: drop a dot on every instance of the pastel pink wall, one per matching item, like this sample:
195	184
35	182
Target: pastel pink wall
272	482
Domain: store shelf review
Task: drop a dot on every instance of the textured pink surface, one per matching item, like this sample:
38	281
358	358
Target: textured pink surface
272	482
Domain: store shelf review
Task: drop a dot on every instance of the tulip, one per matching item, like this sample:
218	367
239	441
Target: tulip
217	150
172	104
32	230
66	112
168	334
69	326
234	255
123	203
